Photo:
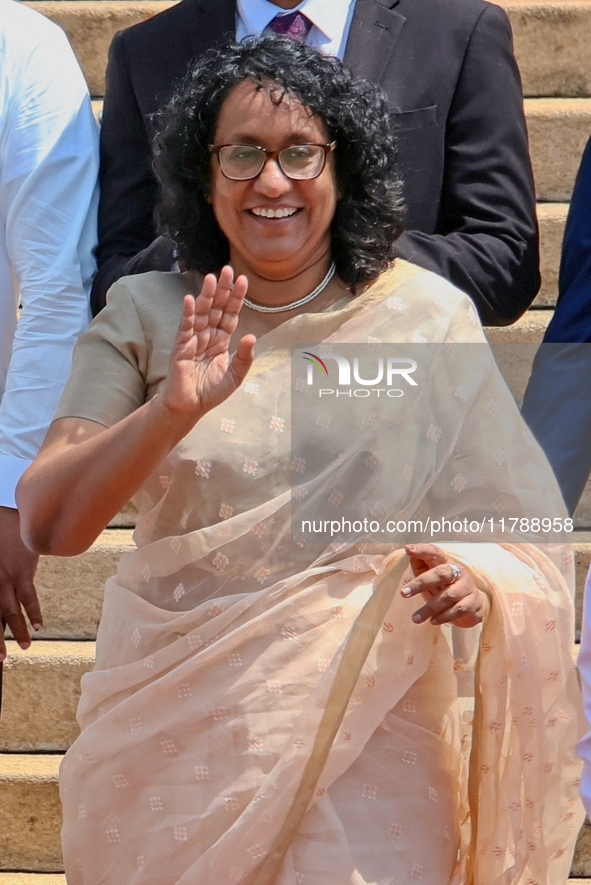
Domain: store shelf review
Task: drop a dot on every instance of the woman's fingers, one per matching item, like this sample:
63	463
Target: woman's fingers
225	285
424	557
466	613
242	359
432	581
236	295
451	596
218	295
222	292
187	316
228	320
184	344
201	372
203	304
218	304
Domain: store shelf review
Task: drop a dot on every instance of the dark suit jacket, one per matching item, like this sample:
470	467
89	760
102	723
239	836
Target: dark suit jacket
448	69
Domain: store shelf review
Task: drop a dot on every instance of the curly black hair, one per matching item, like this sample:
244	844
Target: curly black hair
368	217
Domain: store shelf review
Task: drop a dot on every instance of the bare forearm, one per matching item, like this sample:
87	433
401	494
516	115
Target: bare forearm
85	473
73	489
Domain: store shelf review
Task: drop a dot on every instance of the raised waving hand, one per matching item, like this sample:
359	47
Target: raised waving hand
202	374
86	472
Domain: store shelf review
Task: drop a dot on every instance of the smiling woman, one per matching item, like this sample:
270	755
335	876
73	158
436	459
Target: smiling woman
266	711
277	225
273	95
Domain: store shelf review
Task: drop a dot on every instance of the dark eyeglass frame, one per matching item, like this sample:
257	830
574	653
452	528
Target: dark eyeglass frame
215	149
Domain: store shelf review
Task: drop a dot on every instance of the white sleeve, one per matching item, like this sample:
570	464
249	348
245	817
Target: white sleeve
48	208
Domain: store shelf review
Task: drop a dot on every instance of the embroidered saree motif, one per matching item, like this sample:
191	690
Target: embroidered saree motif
264	712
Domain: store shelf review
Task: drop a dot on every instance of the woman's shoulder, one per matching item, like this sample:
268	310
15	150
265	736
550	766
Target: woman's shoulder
156	297
425	284
428	301
153	292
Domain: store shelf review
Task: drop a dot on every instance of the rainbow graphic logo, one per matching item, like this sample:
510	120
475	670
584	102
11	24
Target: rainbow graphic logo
316	361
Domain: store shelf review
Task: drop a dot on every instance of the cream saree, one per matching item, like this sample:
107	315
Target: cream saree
264	712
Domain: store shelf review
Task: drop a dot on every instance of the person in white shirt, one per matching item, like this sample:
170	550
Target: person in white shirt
48	207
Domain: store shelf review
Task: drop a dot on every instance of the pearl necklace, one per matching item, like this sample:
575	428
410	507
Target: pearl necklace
266	308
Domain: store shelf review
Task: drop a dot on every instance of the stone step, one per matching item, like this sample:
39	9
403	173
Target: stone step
581	865
551	219
60	879
42	685
125	518
30	822
551	39
92	24
71	589
515	348
529	329
550	36
559	129
41	689
30	813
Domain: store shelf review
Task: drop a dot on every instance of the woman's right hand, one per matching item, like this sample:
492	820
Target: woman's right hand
85	472
201	373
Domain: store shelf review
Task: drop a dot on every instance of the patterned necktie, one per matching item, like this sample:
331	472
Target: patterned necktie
294	25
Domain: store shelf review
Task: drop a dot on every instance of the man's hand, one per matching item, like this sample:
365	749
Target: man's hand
17	570
450	593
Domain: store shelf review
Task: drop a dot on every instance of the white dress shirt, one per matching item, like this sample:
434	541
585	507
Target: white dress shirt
48	207
331	20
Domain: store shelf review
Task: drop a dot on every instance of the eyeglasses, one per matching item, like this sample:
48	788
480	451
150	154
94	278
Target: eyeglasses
241	162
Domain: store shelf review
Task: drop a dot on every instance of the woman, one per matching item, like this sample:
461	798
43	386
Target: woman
271	711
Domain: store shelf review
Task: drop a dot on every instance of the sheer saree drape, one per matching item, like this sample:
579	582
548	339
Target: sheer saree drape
262	711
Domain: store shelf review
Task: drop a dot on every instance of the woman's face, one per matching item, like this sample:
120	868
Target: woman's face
274	248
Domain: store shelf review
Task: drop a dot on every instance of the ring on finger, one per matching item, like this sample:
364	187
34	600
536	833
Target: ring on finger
456	573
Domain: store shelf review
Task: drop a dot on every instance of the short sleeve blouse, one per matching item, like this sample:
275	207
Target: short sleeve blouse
121	361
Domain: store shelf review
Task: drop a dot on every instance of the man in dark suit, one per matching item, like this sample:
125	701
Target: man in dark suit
448	69
557	402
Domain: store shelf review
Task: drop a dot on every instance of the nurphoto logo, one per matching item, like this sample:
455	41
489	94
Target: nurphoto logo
389	371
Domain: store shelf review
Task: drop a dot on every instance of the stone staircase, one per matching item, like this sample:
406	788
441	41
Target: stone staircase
41	685
40	698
